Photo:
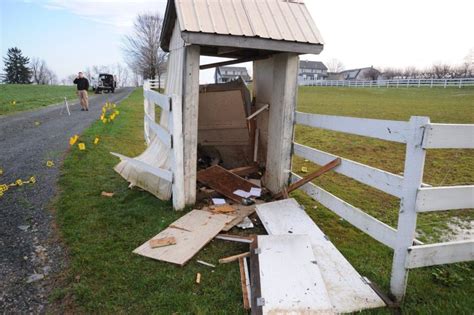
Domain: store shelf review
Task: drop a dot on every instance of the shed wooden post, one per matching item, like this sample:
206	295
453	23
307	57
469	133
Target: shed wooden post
190	120
412	180
281	120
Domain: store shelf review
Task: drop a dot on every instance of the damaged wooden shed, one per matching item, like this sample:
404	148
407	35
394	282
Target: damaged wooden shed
271	34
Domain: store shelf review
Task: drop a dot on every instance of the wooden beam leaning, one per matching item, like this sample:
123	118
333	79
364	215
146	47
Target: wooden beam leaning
324	169
232	62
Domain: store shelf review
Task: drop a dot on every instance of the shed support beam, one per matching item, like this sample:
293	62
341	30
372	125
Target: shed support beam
282	102
190	120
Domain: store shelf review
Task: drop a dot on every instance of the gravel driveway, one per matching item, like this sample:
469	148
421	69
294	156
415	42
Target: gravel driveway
29	251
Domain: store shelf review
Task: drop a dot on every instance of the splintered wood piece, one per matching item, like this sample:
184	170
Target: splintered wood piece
107	194
240	213
223	209
224	182
243	283
160	242
197	228
229	259
324	169
198	278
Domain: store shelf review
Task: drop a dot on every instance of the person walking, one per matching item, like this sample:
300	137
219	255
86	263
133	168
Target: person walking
82	87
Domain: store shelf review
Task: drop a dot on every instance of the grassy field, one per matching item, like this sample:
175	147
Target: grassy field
100	233
21	97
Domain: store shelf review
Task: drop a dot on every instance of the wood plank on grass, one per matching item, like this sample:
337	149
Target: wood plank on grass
290	280
192	232
347	291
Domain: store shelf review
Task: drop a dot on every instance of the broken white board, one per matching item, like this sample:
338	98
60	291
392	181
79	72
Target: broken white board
290	280
347	291
192	232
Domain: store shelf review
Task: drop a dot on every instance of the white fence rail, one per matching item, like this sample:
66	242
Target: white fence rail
395	83
171	137
418	134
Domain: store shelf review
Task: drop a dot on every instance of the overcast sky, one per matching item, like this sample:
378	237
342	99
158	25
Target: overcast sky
73	34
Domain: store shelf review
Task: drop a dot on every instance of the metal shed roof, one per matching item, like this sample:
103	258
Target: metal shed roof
254	21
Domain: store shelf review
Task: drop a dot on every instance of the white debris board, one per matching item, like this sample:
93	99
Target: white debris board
347	291
192	232
290	280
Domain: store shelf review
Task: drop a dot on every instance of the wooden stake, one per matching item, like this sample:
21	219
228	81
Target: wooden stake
243	283
310	177
233	258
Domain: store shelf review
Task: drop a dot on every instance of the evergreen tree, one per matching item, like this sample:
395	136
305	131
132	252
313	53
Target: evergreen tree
16	67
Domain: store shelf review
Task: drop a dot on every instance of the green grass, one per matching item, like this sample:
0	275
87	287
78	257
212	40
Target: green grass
100	233
20	97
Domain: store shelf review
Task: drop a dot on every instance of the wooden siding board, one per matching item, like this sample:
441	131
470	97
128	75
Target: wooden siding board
192	232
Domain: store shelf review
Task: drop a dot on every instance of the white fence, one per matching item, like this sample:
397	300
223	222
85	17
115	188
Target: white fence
415	197
397	83
170	136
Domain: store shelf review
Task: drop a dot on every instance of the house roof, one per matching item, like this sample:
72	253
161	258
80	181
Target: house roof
240	69
251	24
306	64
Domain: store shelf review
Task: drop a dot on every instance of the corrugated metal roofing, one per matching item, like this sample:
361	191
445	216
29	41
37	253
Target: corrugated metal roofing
287	20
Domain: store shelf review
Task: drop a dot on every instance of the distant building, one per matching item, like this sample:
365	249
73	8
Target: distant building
227	74
368	73
312	70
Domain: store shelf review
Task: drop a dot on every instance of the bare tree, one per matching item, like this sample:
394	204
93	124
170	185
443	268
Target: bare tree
335	65
142	49
441	70
41	73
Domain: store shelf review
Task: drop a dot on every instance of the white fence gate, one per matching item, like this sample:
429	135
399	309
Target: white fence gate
415	197
396	83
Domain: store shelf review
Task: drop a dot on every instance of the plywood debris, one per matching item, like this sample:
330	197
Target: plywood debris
107	194
347	291
224	182
290	280
192	232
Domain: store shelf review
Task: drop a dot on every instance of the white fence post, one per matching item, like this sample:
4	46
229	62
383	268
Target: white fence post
146	104
412	180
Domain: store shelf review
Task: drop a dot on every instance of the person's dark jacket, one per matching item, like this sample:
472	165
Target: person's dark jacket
82	84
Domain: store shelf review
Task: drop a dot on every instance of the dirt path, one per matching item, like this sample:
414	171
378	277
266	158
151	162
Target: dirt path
29	254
